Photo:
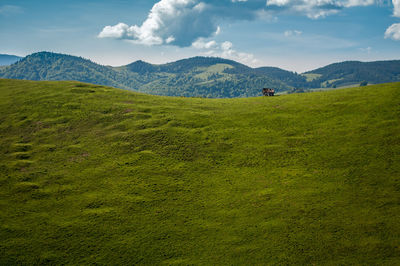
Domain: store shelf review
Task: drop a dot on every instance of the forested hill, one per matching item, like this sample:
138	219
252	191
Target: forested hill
6	59
351	72
51	66
202	76
183	65
291	78
193	77
198	76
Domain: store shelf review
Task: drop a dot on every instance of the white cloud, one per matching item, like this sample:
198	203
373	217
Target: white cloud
218	31
118	31
290	33
320	3
202	44
317	8
226	46
182	19
183	22
170	39
393	32
224	50
396	10
200	7
278	2
350	3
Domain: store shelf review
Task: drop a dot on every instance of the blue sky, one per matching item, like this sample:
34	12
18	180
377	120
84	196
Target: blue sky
297	35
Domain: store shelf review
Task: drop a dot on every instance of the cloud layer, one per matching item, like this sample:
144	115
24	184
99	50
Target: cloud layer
396	5
183	22
393	32
290	33
316	8
225	50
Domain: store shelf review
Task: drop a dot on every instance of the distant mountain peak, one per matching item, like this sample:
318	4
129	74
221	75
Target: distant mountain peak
141	67
7	59
140	62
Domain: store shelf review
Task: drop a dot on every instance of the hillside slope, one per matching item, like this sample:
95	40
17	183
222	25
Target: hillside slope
353	72
51	66
6	59
202	77
193	77
209	77
92	174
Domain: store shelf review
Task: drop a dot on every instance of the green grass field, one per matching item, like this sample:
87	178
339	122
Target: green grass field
97	175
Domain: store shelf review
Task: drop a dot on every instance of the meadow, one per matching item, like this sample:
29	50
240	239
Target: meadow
97	175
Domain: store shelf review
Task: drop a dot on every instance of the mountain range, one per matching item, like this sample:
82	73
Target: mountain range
198	76
6	59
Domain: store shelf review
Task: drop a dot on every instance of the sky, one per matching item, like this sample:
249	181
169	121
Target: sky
295	35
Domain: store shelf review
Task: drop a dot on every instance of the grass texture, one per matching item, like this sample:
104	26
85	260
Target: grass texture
97	175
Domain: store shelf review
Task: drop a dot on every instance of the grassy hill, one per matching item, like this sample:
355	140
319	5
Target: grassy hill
355	72
92	174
